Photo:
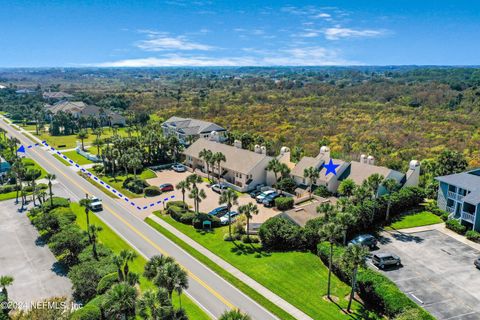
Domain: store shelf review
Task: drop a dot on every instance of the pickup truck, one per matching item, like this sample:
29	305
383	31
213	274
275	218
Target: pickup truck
95	204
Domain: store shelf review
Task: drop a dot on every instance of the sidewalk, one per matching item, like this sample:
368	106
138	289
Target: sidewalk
292	310
441	227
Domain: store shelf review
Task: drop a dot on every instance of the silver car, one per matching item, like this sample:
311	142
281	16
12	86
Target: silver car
383	260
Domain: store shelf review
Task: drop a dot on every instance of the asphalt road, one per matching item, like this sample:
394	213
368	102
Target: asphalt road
437	272
211	292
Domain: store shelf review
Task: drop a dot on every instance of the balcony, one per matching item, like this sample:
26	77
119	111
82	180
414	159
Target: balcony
450	209
452	195
468	217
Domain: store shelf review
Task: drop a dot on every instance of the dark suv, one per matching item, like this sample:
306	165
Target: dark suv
366	240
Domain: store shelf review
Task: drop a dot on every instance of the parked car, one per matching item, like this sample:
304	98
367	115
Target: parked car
218	212
219	187
255	193
233	217
269	201
383	260
366	240
262	195
178	167
166	187
477	263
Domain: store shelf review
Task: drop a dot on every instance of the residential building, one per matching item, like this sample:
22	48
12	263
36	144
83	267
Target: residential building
459	194
243	169
56	96
25	91
188	130
81	109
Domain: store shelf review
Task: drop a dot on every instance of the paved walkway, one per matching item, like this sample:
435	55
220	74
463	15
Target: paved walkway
280	302
441	227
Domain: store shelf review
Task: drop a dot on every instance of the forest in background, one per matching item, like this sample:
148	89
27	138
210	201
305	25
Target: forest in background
393	113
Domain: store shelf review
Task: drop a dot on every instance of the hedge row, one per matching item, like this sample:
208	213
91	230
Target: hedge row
183	215
284	203
376	290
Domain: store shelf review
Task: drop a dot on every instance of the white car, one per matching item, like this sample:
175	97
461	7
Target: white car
262	195
178	167
233	217
95	204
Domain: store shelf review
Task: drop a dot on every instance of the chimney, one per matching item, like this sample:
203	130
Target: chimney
284	155
413	173
363	158
263	150
371	160
237	144
257	149
214	136
324	152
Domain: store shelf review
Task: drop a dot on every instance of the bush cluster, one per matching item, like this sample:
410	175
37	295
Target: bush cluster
376	290
135	185
284	203
183	215
9	188
152	191
456	226
473	235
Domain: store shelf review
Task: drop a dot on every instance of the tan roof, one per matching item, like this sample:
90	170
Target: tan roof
322	175
68	106
305	163
360	172
239	160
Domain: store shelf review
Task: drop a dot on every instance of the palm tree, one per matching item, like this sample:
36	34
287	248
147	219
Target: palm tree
391	185
18	168
230	198
171	277
183	186
155	262
328	210
127	256
51	177
155	305
218	159
118	262
329	232
274	166
207	156
354	257
374	182
248	210
347	188
135	163
197	195
193	180
312	174
98	143
234	315
5	281
119	302
344	220
82	135
93	231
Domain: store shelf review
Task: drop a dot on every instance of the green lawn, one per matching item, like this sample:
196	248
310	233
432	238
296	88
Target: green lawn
8	195
423	218
71	140
30	127
284	273
73	155
61	159
116	244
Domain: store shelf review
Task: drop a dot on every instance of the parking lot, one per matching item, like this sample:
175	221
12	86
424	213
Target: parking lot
207	204
437	272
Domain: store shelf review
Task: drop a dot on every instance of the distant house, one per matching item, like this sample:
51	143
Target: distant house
243	169
81	109
459	194
2	87
25	91
4	166
56	96
188	130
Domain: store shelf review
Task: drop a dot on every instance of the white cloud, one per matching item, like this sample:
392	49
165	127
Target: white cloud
295	56
322	15
159	41
337	33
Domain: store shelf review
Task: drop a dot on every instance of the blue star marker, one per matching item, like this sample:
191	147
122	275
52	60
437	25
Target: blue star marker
21	149
331	168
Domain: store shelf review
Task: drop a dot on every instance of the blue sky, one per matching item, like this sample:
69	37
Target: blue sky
236	33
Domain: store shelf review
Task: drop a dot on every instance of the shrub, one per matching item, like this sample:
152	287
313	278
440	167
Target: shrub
322	191
107	282
284	203
444	216
86	276
250	239
279	233
473	235
456	226
57	202
9	188
199	218
179	204
135	185
287	185
152	191
88	312
226	237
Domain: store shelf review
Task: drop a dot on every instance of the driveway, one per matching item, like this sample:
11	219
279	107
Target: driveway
207	204
437	272
30	262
